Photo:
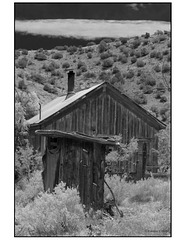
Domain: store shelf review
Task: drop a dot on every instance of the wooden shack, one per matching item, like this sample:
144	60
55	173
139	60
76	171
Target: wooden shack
100	110
77	160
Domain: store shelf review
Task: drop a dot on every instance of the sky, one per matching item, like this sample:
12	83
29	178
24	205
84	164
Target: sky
106	11
90	21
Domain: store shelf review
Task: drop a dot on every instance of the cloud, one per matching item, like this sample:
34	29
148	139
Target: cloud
135	6
89	29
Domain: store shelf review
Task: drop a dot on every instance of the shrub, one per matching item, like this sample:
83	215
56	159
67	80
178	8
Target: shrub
136	43
24	51
89	55
78	72
102	46
148	79
140	98
169	44
122	59
162	38
22	85
105	76
91	43
155	110
147	35
158	94
51	66
159	55
165	68
107	40
65	65
153	54
49	88
157	68
137	54
17	54
145	42
107	63
163	99
40	56
144	52
115	70
123	40
22	63
72	49
60	48
147	89
161	87
89	75
57	55
124	50
104	55
36	77
56	73
130	74
133	59
83	68
166	52
80	64
56	214
140	63
117	78
164	148
26	162
28	190
132	52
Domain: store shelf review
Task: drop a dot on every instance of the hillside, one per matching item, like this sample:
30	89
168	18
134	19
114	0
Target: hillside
139	67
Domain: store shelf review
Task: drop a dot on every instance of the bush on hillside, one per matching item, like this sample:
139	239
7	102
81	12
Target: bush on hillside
40	56
153	54
145	42
147	79
147	89
140	63
83	68
115	70
72	49
161	87
89	55
17	54
165	68
136	43
102	47
133	59
80	64
56	73
60	48
144	52
159	55
24	52
22	85
166	52
65	65
130	74
162	38
157	68
104	76
78	72
140	98
123	40
107	63
91	43
49	88
57	55
89	75
163	99
36	77
22	63
132	52
155	110
123	59
117	78
137	54
105	55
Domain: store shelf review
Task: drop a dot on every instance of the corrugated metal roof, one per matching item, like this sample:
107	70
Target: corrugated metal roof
59	103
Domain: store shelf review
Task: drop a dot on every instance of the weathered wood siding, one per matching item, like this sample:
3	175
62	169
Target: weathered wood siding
106	113
78	164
